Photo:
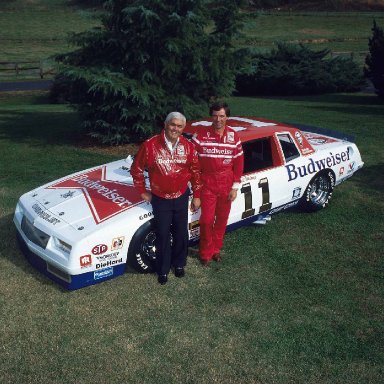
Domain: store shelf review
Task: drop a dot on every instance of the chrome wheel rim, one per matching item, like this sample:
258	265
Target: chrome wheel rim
319	190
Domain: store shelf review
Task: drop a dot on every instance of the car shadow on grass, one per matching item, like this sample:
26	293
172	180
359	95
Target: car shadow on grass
370	177
10	251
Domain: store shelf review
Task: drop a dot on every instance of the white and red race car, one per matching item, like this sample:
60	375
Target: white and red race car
87	227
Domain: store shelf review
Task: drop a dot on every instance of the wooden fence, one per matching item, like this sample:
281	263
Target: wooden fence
31	68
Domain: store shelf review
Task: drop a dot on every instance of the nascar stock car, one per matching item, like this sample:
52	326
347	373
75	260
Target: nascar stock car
88	227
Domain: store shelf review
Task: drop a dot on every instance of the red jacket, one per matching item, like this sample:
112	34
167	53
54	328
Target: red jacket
219	155
169	173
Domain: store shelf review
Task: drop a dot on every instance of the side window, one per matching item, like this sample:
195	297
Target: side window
257	155
288	146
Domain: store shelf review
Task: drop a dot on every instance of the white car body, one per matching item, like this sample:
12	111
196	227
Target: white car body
77	230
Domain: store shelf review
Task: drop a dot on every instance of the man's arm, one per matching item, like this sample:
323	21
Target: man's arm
137	170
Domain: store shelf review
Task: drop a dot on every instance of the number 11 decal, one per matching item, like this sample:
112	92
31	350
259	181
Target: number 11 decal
263	184
249	211
247	190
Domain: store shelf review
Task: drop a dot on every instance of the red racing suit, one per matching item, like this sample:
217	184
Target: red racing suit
221	160
169	173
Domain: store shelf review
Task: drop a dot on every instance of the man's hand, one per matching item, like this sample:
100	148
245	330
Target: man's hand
147	196
195	204
232	194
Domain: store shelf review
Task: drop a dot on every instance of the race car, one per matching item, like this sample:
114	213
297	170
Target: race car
93	225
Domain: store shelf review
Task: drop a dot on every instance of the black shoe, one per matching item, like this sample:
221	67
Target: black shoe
179	272
162	279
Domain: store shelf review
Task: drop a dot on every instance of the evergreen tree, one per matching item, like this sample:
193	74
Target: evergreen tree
151	57
374	61
294	69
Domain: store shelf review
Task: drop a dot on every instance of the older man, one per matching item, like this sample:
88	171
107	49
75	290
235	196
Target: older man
172	163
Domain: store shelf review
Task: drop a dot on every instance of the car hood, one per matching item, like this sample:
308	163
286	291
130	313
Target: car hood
86	199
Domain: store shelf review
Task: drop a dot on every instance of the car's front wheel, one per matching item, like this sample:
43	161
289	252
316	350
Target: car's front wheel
318	192
141	253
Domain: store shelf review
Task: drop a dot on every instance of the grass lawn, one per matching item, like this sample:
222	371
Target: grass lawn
36	30
299	300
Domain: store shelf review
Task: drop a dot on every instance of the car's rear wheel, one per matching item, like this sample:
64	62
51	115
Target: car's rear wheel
141	253
318	192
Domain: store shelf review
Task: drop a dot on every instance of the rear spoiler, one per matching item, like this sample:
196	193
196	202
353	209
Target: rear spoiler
324	131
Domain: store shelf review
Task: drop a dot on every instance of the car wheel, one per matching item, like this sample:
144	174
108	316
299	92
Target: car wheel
318	192
141	252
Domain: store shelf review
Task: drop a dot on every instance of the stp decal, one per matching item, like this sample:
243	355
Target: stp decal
99	249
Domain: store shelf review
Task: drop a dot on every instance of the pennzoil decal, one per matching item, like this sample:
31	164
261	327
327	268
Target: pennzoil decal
105	198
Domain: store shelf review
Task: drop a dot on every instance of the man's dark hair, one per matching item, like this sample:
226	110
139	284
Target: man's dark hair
219	105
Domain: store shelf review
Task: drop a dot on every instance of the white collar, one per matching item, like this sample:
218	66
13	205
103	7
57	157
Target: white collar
169	144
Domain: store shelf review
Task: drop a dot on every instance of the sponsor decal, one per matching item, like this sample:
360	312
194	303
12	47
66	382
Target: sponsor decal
313	166
284	207
351	166
299	138
44	215
181	150
306	150
109	263
341	171
99	249
105	198
85	261
231	137
108	256
227	161
146	215
117	243
103	273
194	224
317	139
68	194
296	193
160	160
216	151
248	178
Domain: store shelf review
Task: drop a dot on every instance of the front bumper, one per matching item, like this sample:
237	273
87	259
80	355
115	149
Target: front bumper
70	282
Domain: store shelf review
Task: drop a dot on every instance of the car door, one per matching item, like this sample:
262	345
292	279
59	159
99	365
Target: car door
264	185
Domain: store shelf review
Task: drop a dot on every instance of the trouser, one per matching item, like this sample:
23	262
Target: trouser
215	208
171	218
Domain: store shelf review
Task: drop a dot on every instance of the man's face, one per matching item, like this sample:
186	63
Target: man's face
173	129
219	119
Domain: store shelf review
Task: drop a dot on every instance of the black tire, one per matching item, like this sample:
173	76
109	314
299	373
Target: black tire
318	192
141	253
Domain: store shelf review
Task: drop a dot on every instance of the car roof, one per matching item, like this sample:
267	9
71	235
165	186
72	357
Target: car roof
248	128
252	128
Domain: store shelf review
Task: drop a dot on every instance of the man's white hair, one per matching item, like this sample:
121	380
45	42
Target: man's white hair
175	115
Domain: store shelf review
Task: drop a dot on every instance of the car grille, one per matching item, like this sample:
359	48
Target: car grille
34	234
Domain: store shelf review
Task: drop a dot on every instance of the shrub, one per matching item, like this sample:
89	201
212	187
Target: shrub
151	57
293	69
374	61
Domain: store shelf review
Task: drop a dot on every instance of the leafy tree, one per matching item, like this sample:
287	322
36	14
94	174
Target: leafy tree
374	61
293	69
151	57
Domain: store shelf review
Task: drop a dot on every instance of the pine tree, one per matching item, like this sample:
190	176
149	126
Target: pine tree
151	57
295	69
374	61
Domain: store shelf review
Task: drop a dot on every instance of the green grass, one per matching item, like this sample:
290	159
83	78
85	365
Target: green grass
37	29
299	300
